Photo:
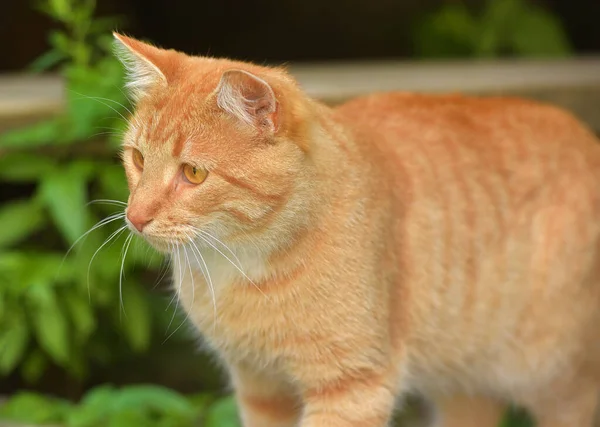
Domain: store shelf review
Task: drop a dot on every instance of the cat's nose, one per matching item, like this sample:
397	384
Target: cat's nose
138	219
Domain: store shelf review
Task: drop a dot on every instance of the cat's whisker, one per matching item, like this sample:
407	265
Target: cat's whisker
113	101
207	278
99	224
177	290
109	128
174	255
206	234
125	94
100	100
117	134
111	237
232	263
121	274
164	269
193	297
106	202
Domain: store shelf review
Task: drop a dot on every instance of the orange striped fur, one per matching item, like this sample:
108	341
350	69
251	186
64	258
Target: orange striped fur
337	259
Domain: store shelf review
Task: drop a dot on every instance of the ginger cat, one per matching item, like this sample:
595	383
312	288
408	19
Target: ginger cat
337	259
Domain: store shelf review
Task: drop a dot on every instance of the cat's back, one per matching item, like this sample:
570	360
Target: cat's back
487	121
500	199
456	138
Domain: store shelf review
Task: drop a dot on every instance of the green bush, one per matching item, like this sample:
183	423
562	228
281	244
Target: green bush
504	27
140	406
70	310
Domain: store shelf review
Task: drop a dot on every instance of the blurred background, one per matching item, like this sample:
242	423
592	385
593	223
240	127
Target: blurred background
89	333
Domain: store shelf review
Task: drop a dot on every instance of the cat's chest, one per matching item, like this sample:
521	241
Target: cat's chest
221	299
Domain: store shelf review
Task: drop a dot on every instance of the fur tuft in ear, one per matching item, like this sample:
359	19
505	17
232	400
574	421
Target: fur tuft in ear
249	98
140	61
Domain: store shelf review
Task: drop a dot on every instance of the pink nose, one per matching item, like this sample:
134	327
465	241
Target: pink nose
138	219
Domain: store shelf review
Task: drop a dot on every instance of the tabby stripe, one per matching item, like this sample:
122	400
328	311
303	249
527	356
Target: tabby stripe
246	186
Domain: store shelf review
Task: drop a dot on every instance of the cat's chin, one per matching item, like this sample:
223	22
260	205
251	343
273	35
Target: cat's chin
160	245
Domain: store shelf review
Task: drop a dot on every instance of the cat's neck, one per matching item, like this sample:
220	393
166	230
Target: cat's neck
331	188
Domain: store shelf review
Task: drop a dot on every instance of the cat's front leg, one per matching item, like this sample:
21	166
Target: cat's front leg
364	401
264	400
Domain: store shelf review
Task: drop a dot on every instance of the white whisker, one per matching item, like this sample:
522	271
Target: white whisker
177	290
178	265
100	100
111	237
232	263
126	248
207	278
107	202
223	244
193	297
99	224
164	269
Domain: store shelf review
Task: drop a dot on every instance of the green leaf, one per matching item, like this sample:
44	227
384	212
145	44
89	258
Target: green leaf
61	9
65	194
223	414
34	366
60	41
47	60
28	167
26	407
93	409
155	398
517	418
131	417
50	323
81	313
136	320
94	96
496	25
19	219
113	183
13	340
42	133
450	32
539	34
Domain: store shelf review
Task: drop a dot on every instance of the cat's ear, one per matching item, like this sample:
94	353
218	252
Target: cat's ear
249	98
142	63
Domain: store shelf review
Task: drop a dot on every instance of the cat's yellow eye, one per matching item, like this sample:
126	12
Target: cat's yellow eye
194	175
138	159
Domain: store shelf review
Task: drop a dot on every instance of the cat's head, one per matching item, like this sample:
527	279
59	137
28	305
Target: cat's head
213	146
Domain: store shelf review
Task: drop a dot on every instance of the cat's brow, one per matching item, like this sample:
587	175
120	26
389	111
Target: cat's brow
178	146
246	186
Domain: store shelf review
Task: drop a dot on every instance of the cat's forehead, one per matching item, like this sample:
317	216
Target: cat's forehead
184	132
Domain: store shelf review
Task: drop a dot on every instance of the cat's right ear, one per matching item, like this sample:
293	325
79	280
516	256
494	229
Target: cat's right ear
142	62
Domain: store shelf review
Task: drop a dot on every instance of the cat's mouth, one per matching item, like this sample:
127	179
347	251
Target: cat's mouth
160	244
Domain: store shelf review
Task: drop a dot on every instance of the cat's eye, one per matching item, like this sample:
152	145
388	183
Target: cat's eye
138	159
194	175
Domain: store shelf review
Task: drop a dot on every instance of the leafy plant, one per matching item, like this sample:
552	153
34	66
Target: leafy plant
517	418
504	27
140	405
68	310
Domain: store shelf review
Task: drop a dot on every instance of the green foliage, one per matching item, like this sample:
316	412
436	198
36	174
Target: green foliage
141	405
145	406
504	27
57	309
517	418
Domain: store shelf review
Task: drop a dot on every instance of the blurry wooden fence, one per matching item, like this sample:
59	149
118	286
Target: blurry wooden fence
570	83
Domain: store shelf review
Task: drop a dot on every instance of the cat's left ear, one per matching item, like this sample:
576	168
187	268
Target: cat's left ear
248	98
143	64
